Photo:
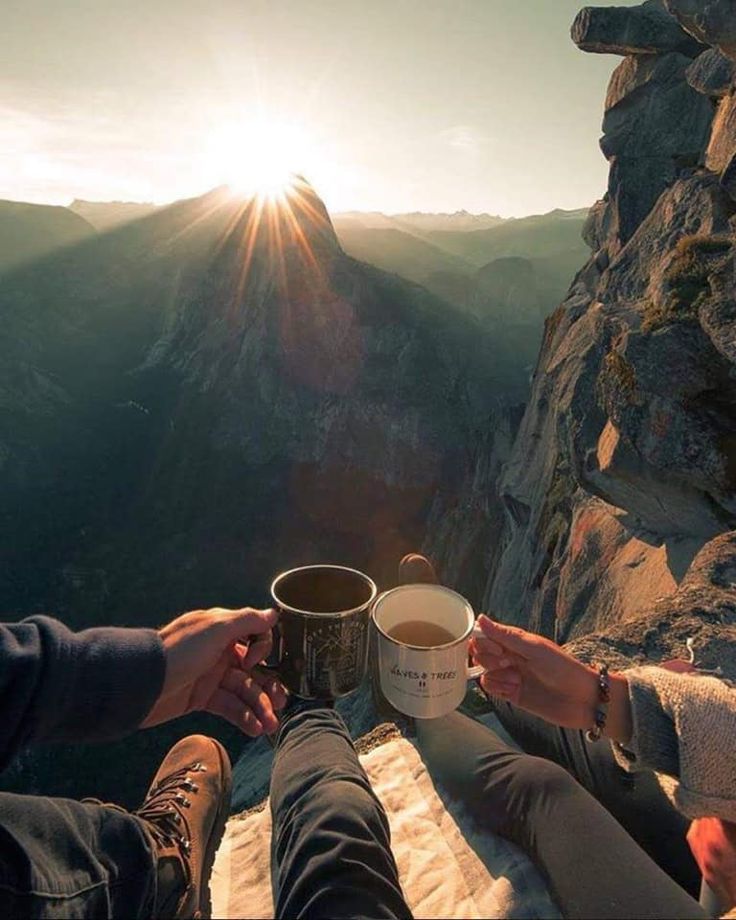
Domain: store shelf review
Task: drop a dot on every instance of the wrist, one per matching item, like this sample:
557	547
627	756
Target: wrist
619	726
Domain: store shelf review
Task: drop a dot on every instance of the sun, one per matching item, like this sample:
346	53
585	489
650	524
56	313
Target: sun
259	156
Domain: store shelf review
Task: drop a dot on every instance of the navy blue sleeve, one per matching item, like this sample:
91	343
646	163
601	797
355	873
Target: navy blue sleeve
57	685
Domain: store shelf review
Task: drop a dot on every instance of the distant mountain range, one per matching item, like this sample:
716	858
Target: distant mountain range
454	256
28	231
418	221
508	273
148	371
105	215
399	251
437	243
103	331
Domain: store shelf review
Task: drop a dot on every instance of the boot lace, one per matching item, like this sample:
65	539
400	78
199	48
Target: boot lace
164	807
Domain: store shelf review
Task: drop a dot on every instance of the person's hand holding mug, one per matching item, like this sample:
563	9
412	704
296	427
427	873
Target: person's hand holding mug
537	675
210	661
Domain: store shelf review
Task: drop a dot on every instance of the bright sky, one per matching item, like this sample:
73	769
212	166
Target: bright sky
392	105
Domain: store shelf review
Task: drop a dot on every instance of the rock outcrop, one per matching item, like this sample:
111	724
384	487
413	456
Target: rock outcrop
712	74
657	122
621	483
645	29
700	614
710	21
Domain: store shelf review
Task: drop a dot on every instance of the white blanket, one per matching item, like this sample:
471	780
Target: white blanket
447	868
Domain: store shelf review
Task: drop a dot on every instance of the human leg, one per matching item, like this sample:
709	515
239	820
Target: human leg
331	853
637	801
594	868
62	858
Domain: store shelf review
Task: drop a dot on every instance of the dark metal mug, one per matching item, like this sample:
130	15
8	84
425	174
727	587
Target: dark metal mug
321	639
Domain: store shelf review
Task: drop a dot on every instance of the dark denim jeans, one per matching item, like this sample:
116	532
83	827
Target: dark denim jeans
60	858
331	849
331	844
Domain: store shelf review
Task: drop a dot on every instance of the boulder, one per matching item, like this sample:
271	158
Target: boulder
608	579
635	71
634	187
712	74
692	206
702	610
644	29
718	318
654	125
652	111
710	21
717	313
722	144
669	466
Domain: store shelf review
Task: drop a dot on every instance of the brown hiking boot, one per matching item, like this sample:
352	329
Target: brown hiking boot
185	812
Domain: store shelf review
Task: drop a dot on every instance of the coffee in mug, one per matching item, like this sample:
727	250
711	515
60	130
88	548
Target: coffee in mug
423	637
321	639
421	634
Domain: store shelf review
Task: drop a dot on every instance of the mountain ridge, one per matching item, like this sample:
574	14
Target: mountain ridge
29	231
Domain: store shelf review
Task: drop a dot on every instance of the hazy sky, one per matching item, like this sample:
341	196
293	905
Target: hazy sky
389	105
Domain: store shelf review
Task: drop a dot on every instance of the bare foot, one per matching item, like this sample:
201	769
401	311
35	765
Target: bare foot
417	569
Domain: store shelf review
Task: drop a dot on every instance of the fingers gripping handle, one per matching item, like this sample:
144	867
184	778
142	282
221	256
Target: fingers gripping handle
277	652
478	670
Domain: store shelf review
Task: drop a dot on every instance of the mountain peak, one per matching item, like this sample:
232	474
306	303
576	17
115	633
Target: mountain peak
297	218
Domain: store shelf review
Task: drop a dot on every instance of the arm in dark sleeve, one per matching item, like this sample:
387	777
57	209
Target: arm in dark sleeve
56	685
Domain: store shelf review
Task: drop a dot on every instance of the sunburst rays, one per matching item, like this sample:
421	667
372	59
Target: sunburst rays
279	253
283	227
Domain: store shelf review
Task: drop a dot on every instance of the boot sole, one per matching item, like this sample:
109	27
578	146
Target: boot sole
217	832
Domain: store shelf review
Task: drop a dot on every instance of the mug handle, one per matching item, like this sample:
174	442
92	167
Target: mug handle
478	671
272	663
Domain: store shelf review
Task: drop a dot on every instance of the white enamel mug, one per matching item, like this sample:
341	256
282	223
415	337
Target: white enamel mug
422	682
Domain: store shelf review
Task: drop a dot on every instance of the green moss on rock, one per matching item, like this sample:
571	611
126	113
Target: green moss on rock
696	260
622	372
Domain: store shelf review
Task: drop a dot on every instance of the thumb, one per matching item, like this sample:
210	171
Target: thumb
510	637
247	622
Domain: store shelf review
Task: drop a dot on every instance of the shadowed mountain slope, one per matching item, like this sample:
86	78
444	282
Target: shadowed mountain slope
196	399
29	231
399	252
556	234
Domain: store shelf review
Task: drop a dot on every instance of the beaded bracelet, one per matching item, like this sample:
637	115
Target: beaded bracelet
601	711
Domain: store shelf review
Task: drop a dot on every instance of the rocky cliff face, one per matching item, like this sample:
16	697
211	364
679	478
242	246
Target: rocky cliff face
624	469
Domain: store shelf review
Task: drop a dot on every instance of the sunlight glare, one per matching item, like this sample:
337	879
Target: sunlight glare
259	157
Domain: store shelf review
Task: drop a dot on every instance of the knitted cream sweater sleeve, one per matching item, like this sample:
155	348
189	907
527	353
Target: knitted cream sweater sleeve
685	727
